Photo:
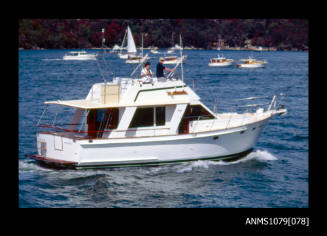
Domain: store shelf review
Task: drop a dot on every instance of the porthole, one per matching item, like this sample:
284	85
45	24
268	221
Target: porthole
215	137
253	128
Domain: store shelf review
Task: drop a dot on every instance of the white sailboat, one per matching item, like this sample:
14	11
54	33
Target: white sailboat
115	49
131	49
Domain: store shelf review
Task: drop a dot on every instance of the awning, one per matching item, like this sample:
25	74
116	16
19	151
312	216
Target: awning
87	104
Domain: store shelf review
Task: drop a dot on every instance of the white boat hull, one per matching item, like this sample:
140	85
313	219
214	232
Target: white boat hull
219	144
136	61
81	57
169	62
255	65
221	64
123	56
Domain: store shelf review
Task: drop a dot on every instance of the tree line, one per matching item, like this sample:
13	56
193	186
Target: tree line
284	34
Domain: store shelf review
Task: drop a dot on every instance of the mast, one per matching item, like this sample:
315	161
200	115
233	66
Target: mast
121	47
181	54
103	39
172	39
142	45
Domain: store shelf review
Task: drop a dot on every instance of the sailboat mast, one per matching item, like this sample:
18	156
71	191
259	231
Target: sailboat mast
172	39
121	47
142	45
181	54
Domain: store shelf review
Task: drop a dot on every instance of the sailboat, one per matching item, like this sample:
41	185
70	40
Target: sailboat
131	49
115	49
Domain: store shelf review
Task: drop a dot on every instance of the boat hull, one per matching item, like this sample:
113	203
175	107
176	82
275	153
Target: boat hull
222	144
256	65
221	64
170	62
79	58
123	56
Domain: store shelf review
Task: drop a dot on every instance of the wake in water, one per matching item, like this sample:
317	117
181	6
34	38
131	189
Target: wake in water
257	155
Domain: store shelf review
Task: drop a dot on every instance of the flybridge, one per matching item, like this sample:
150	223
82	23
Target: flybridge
124	92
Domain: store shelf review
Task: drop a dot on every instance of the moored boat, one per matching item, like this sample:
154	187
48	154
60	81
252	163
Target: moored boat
220	61
154	51
79	55
132	56
173	59
251	63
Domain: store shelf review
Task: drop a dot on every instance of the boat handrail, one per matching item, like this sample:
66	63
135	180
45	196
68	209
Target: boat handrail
98	131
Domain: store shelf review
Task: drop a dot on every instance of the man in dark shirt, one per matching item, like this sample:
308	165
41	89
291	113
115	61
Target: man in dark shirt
161	68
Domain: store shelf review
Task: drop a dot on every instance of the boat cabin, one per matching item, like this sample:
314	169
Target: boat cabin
77	53
127	108
217	60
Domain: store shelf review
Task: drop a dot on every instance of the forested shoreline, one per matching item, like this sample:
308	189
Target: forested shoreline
282	34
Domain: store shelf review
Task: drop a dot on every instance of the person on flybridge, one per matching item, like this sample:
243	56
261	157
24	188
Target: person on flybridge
161	68
146	73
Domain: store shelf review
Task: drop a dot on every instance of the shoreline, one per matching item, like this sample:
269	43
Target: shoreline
272	49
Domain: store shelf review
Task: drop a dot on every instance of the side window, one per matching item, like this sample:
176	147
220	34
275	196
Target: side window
143	117
160	115
195	111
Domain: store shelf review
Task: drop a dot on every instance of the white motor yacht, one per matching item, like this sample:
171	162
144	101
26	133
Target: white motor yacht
220	61
251	63
79	55
127	122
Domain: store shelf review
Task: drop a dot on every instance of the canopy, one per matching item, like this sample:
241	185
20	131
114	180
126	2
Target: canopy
87	104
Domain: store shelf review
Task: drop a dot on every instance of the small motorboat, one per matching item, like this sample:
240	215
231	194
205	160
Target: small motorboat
173	59
135	59
220	61
79	55
251	63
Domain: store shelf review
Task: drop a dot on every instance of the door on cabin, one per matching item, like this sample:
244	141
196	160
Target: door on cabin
100	119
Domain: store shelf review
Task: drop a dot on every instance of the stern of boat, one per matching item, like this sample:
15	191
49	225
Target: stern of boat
54	147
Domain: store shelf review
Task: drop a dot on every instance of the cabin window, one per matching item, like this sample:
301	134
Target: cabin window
143	117
160	115
193	112
196	112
